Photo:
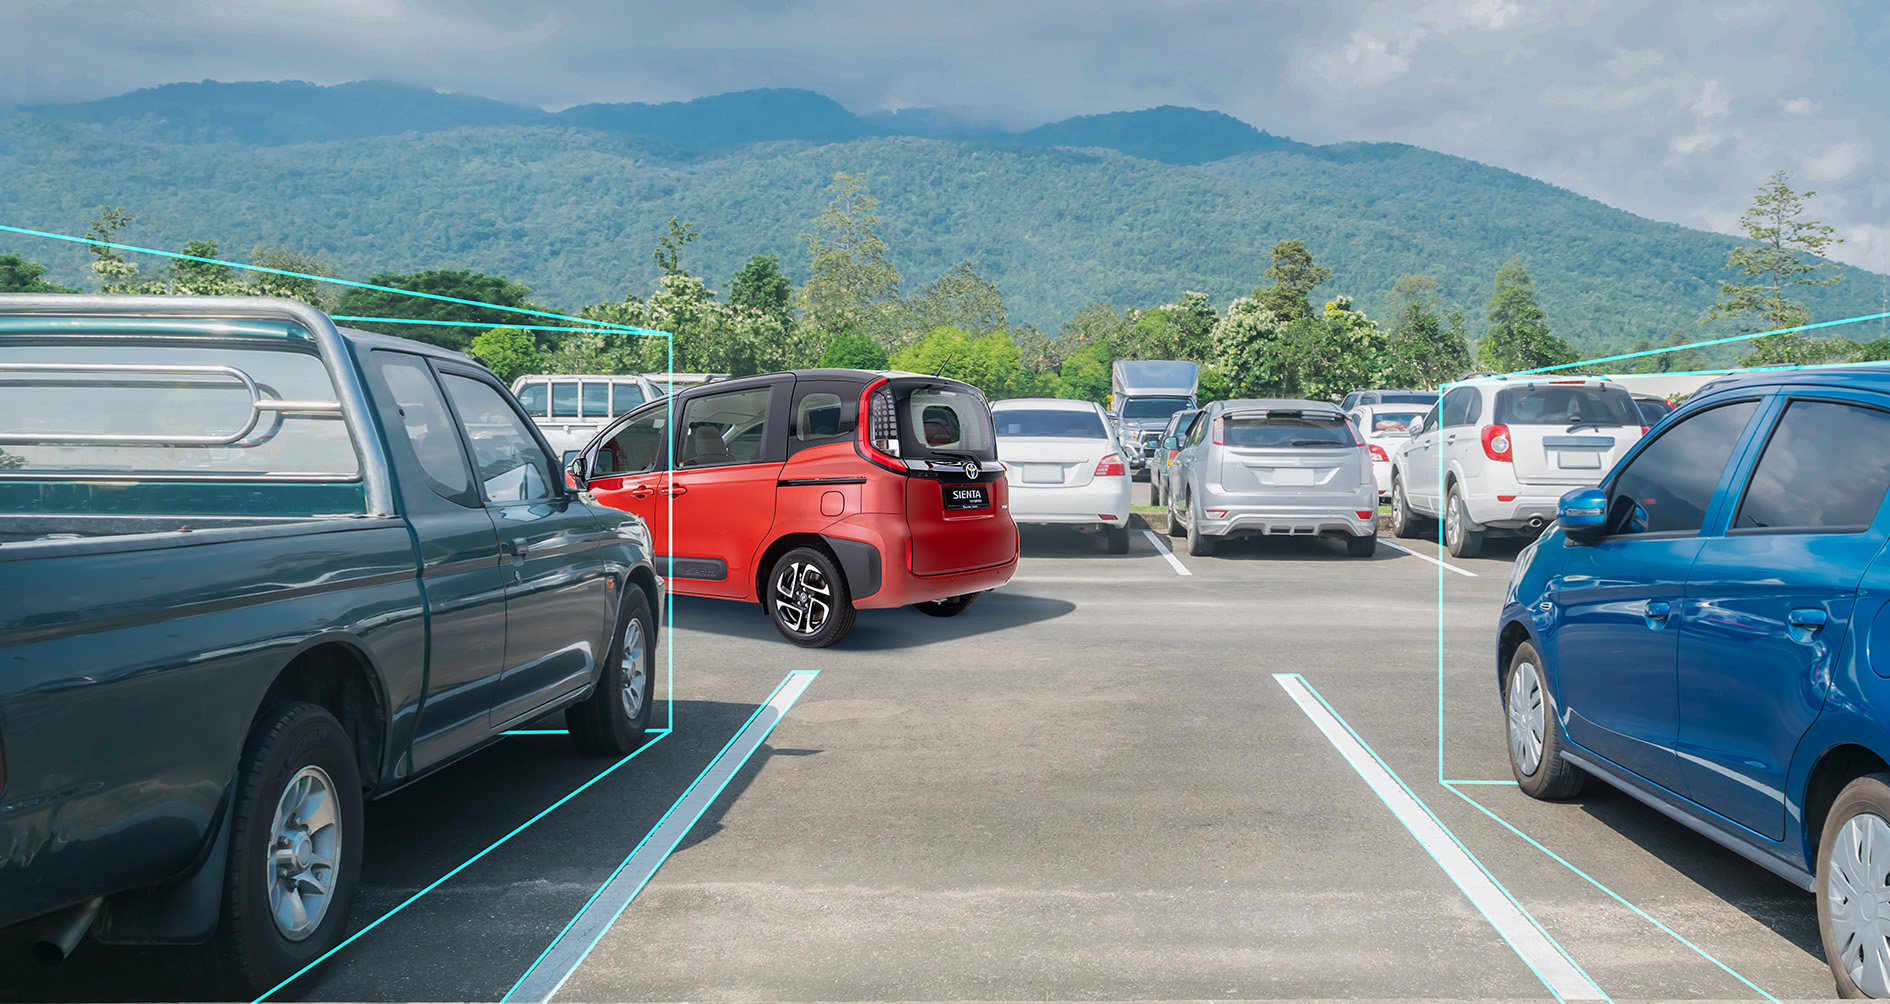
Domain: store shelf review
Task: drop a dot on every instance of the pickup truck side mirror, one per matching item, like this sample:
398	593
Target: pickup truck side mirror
1582	513
577	469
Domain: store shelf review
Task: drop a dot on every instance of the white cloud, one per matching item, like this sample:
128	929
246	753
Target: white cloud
1799	106
1838	161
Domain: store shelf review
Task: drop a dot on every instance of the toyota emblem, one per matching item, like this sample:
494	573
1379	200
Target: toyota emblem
972	470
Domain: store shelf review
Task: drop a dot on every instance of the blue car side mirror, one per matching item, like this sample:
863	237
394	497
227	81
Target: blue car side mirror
1582	512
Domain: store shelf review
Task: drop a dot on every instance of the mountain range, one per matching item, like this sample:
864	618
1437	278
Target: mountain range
1128	207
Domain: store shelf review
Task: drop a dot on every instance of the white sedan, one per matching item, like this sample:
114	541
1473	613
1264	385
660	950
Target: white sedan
1064	466
1382	427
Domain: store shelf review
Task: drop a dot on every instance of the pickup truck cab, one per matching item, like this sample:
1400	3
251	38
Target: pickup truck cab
254	569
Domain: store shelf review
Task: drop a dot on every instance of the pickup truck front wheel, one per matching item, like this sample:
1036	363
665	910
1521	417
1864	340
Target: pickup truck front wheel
295	856
612	721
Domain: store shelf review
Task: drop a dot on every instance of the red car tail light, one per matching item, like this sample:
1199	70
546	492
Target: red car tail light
1378	452
1106	517
878	440
1220	433
1110	467
1363	513
1506	498
1496	443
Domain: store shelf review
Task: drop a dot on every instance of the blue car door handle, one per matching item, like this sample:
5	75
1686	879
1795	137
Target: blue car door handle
1657	612
1806	617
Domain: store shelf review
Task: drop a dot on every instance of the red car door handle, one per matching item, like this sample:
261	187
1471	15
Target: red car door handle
642	492
674	490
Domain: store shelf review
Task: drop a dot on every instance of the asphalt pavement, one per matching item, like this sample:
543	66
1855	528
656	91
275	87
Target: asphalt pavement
1089	786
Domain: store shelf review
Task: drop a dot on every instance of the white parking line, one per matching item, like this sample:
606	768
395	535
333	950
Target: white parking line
575	942
1162	546
1426	557
1543	956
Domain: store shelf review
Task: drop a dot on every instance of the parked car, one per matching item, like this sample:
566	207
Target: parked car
1272	467
1384	427
253	570
816	493
569	409
1495	454
1063	465
1704	631
1143	395
669	383
1653	408
1161	459
1423	398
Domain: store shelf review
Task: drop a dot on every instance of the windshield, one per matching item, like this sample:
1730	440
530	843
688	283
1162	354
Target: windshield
1287	430
1653	411
1039	422
947	423
1408	397
1391	422
1565	404
1144	408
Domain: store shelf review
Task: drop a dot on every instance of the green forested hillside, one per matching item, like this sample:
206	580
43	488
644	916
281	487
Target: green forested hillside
573	214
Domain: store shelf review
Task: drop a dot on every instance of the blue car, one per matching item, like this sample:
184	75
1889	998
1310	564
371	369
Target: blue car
1709	631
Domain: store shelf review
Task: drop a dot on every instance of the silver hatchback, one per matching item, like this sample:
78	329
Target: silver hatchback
1272	467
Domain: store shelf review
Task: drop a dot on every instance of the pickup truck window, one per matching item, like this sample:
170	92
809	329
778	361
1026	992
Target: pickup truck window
135	406
512	467
428	423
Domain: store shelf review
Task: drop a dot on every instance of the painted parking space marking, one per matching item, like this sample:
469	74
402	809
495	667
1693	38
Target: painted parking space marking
1162	546
1532	944
574	943
1426	557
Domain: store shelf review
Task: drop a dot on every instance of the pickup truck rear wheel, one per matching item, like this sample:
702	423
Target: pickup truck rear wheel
295	856
807	598
612	721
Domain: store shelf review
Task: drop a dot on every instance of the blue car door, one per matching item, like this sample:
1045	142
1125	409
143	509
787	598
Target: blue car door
1615	635
1768	603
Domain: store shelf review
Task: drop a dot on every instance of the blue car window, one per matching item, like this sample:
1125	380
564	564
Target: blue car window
1667	486
1826	467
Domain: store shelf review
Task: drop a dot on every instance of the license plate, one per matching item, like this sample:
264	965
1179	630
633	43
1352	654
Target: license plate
966	497
1293	477
1043	474
1577	459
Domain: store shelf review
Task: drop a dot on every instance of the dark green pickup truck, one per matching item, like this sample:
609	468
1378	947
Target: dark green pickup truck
253	569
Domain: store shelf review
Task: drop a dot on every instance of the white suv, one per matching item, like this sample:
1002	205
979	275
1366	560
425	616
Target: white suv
1497	453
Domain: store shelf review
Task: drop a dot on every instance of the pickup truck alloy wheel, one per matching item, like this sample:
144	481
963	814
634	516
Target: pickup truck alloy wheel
807	598
635	680
1853	885
613	720
304	853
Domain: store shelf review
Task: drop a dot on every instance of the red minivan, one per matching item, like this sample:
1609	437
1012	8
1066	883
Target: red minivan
815	493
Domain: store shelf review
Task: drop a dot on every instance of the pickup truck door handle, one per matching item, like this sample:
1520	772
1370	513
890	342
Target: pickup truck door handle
642	492
1657	612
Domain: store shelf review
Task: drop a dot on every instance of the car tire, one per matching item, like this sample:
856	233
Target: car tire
297	769
1860	813
1117	537
1404	522
613	720
807	599
950	606
1154	490
1362	547
1534	731
1462	541
1175	529
1200	545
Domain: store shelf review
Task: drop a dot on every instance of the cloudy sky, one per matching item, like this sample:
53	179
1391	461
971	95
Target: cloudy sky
1674	109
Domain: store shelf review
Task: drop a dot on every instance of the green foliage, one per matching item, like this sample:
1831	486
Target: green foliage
1429	341
1518	337
461	283
960	298
1678	361
1792	348
761	286
1783	255
854	352
508	352
1085	375
988	362
851	284
1294	278
1317	358
294	287
17	275
669	247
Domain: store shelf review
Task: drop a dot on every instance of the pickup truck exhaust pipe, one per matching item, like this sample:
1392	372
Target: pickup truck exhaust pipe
62	931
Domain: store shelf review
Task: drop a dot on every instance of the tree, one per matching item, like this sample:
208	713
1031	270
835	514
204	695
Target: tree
111	268
762	287
851	285
17	275
1294	278
988	362
1323	357
1678	361
853	352
1786	252
1429	343
1518	337
960	298
508	352
1085	375
294	287
669	246
464	284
